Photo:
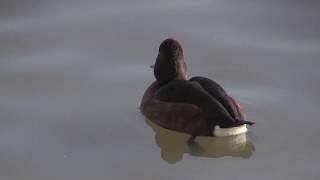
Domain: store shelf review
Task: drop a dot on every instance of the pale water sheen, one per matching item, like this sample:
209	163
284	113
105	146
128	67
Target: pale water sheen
72	74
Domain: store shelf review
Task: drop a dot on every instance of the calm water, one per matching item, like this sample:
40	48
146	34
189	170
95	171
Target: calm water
72	74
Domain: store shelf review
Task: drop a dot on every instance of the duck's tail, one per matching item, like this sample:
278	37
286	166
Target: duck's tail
242	122
250	123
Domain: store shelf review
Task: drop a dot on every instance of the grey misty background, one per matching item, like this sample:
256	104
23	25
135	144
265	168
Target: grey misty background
72	74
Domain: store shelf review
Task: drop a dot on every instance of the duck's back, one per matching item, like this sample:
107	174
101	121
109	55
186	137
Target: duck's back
218	92
188	92
184	106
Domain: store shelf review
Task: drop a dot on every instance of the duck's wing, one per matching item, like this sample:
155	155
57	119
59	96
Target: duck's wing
189	92
217	91
240	112
149	93
181	117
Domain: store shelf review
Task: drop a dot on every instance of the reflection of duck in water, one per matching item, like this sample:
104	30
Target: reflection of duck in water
173	145
198	106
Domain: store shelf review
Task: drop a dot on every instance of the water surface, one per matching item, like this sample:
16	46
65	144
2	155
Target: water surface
72	74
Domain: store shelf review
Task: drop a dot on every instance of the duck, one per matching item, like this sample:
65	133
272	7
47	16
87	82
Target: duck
197	106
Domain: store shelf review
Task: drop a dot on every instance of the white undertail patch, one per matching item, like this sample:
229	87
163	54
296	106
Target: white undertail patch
220	132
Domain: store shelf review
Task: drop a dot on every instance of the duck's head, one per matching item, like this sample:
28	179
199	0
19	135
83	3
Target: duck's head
170	63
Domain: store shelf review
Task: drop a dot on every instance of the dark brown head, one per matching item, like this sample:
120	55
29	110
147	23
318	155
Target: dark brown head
170	63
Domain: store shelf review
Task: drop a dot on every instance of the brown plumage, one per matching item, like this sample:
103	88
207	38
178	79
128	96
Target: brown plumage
192	106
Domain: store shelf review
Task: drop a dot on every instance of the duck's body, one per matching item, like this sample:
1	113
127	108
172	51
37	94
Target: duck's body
198	106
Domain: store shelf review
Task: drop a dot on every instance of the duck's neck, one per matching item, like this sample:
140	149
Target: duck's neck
182	71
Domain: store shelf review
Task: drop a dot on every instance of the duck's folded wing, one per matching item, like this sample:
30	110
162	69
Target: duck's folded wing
217	91
185	106
149	93
183	117
240	113
188	92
